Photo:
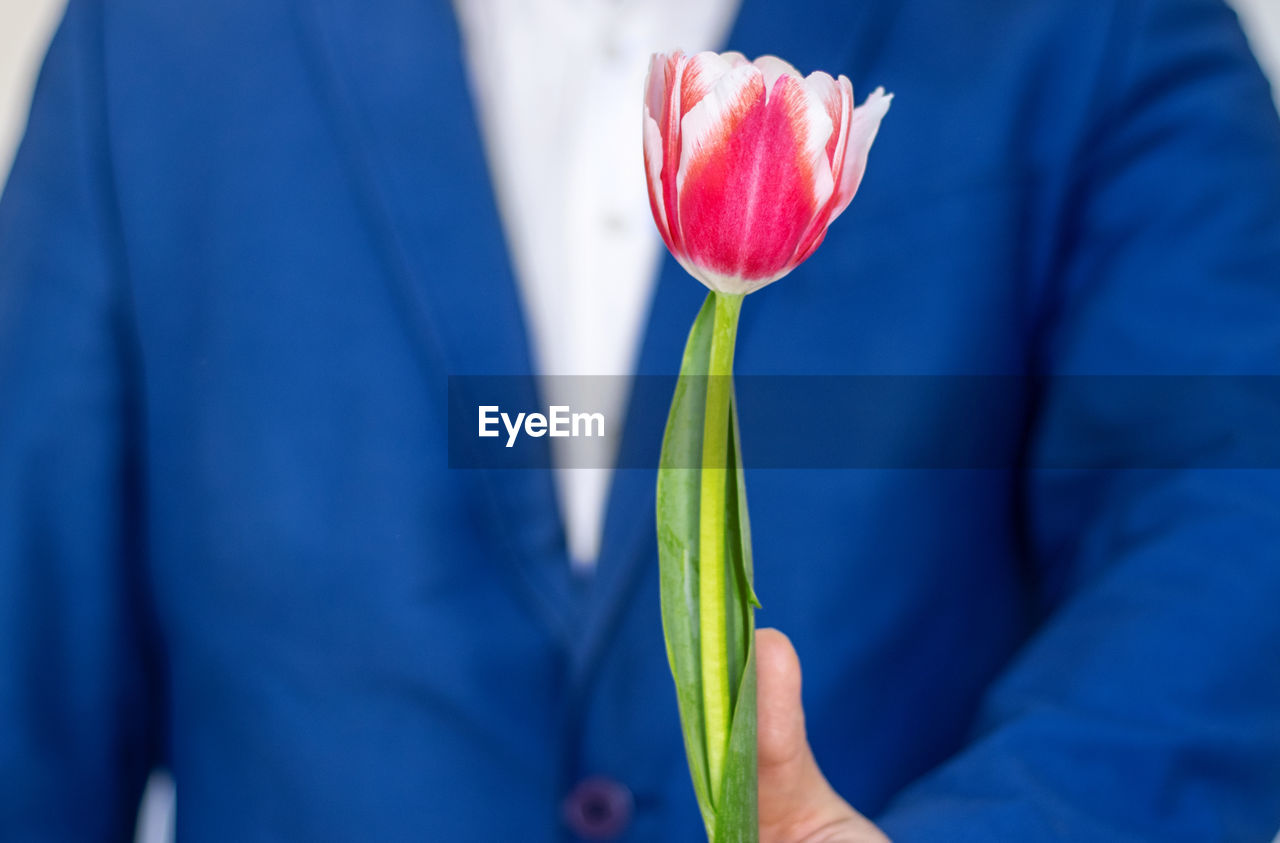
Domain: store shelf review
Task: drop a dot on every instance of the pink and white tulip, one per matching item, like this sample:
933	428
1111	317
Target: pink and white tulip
749	162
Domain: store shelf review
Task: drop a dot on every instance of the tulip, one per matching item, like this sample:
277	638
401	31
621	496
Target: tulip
749	162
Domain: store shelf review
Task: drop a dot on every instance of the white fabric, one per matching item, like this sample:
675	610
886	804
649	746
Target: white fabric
559	86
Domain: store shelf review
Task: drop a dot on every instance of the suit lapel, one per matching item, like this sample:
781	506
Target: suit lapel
394	72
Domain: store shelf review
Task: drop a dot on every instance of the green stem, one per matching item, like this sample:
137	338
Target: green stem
712	574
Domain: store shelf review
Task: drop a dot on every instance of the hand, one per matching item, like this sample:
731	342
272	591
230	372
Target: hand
796	803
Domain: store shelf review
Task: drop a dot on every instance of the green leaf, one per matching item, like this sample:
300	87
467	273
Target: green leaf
737	810
741	597
746	567
678	495
733	816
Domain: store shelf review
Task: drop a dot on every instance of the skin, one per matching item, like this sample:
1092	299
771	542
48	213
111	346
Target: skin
797	805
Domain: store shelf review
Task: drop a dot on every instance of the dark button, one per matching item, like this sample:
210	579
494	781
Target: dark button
598	808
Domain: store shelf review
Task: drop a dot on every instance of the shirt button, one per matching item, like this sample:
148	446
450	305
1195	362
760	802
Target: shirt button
598	808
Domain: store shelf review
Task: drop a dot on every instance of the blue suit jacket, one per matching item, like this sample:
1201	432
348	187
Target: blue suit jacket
244	244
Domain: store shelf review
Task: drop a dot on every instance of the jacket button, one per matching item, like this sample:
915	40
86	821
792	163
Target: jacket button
598	808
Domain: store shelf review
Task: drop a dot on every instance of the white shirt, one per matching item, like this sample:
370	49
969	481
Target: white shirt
559	87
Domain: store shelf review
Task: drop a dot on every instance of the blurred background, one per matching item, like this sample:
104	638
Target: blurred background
25	29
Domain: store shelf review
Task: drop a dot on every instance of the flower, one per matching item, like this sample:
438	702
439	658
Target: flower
749	162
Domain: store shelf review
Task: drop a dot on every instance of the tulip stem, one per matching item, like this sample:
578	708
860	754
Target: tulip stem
712	575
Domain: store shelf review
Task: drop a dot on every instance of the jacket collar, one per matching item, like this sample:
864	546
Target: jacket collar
393	71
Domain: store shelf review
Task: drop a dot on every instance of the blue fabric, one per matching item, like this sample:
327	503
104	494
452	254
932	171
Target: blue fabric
245	244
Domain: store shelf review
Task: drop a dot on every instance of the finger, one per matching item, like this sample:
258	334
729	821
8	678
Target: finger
796	802
792	788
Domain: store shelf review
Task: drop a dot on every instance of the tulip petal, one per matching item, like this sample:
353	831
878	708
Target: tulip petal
850	162
655	86
819	128
773	69
863	127
748	163
669	124
653	175
718	116
701	74
837	97
752	175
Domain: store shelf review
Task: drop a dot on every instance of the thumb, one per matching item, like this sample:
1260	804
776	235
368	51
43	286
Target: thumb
796	802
